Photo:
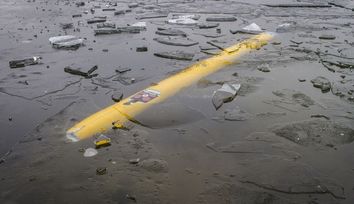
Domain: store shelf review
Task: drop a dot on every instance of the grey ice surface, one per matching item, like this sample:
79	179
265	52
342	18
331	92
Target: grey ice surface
280	140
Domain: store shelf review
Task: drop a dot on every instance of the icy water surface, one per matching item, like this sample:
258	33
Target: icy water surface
281	140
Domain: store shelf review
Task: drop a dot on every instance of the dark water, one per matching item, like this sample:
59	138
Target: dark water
188	152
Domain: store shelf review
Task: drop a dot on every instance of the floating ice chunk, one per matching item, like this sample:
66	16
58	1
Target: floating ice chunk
252	27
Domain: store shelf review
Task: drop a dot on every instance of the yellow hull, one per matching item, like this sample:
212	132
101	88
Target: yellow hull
119	114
